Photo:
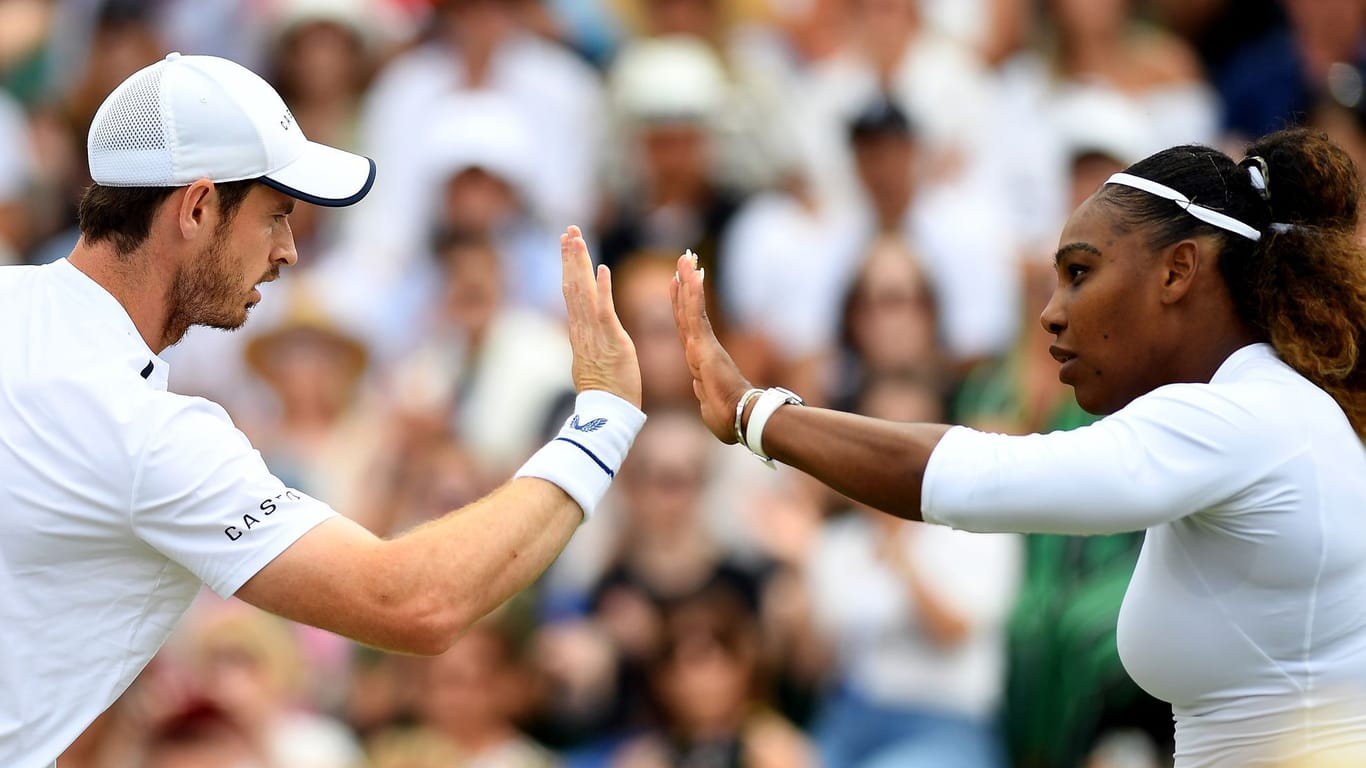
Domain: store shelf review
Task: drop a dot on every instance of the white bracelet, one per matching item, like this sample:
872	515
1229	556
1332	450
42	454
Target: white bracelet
771	400
586	454
750	394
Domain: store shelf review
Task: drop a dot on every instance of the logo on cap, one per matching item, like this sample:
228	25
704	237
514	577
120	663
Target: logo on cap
287	120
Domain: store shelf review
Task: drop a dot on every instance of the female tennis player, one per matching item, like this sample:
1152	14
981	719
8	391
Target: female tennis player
1216	311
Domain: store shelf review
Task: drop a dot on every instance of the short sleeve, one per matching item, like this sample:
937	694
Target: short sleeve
1179	450
203	497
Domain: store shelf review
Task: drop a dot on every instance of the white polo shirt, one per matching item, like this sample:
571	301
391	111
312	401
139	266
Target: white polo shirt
118	500
1247	609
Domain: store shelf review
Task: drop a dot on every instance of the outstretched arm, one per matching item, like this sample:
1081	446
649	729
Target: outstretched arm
879	463
420	591
1176	451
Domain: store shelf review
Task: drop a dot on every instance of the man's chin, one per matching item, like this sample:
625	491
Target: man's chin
229	323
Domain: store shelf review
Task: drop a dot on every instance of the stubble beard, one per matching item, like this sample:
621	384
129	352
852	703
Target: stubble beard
205	291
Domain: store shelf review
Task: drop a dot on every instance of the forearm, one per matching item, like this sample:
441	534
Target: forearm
879	463
459	567
417	593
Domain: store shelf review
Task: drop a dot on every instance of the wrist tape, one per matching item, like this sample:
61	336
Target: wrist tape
586	454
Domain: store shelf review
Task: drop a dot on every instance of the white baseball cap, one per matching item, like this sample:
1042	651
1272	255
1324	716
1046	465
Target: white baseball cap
187	118
1093	119
480	129
667	78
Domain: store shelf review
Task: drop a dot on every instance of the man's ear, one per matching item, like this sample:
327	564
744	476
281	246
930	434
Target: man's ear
195	214
1181	263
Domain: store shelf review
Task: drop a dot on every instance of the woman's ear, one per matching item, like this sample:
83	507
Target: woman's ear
1181	264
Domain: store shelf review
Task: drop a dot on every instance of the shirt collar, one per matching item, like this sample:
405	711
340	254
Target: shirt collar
1241	358
101	307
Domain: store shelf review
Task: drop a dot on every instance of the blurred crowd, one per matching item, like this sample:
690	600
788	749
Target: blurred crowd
876	188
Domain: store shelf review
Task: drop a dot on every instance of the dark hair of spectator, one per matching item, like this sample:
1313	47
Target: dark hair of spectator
1303	284
447	241
880	117
123	215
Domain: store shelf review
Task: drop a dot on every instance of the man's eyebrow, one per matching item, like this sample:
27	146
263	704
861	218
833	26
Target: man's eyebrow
1070	247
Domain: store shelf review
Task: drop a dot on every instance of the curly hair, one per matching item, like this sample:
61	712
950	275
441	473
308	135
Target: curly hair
1302	286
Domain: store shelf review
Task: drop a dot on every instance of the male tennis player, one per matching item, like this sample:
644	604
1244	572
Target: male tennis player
118	499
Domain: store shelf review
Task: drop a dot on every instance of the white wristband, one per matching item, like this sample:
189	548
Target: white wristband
771	400
586	454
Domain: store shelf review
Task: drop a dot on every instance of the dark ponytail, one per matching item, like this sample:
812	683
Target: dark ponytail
1303	284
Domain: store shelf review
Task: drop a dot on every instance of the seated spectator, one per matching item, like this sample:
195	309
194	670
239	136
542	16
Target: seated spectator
915	615
313	367
784	281
659	551
888	49
1102	42
482	179
203	735
247	664
669	96
888	322
965	253
484	46
482	354
707	681
474	694
754	54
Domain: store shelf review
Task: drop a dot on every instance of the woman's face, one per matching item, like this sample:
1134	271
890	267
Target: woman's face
322	59
705	684
1105	311
891	318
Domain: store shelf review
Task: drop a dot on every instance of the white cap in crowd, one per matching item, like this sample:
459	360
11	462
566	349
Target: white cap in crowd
1101	120
187	118
669	78
484	130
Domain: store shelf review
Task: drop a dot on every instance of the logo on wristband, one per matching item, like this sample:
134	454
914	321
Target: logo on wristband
592	425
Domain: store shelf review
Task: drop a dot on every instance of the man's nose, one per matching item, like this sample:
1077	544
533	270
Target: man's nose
285	252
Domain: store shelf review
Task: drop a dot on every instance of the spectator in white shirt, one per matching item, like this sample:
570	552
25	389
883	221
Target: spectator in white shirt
916	616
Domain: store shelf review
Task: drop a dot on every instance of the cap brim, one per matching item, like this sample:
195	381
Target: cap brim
324	175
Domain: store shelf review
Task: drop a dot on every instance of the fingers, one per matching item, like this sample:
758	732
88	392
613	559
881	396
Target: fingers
676	299
577	266
694	309
606	307
577	269
687	336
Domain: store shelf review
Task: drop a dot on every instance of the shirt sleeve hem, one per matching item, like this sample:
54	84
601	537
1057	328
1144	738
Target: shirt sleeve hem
952	452
263	556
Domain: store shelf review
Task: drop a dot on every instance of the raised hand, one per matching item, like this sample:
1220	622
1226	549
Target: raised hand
604	355
716	381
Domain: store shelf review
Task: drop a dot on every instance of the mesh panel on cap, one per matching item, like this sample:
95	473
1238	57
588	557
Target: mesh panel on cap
128	145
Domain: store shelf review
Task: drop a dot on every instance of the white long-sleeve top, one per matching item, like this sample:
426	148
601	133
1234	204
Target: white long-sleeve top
884	649
1247	609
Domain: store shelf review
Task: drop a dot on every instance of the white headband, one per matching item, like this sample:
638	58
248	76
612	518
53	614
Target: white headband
1207	215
